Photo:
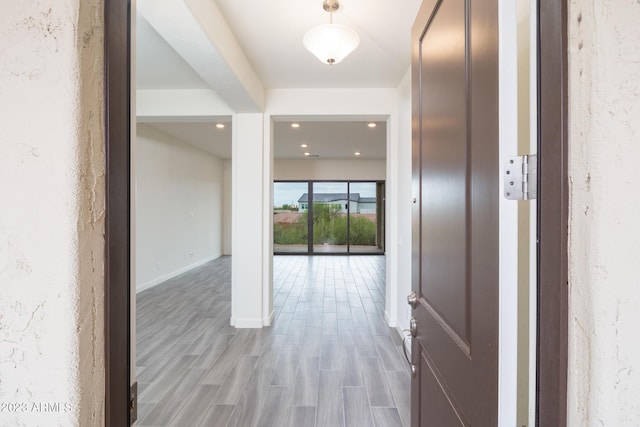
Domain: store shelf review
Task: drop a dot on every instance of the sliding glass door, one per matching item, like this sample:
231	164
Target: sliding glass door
330	213
290	221
366	228
328	217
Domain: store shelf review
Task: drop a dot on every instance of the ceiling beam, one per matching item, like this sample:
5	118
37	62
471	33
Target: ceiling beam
180	103
198	31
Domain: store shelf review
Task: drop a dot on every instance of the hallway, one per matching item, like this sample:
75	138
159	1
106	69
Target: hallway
327	360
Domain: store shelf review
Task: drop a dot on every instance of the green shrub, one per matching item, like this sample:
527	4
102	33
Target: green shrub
329	226
290	234
362	231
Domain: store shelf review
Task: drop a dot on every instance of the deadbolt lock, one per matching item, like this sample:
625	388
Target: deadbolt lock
412	299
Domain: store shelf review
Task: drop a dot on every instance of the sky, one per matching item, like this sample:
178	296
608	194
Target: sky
290	192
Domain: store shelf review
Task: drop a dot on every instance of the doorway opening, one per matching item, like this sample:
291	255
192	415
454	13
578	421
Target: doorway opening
551	318
180	218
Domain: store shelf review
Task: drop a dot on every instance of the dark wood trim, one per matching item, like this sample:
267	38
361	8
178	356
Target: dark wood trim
117	48
551	384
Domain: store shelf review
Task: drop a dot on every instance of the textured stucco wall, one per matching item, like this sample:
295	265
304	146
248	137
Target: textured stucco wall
604	334
51	213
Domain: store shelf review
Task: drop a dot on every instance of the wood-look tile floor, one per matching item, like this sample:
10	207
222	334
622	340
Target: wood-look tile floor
328	360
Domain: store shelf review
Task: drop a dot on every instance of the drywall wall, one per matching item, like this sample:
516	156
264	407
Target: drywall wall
342	169
403	204
247	287
52	216
179	206
604	231
227	210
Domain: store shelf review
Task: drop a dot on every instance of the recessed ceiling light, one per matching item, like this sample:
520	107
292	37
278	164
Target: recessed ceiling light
307	154
295	125
303	145
372	125
357	153
220	125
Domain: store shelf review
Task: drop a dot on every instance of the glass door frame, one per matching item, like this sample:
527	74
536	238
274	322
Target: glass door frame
380	222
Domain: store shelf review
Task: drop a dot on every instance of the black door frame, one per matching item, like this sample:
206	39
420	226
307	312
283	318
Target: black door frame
310	202
551	384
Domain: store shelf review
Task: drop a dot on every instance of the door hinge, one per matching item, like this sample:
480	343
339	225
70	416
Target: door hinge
133	403
521	177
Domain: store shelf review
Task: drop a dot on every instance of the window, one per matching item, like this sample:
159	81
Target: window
328	217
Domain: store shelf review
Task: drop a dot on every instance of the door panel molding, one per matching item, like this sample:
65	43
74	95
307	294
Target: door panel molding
451	403
455	337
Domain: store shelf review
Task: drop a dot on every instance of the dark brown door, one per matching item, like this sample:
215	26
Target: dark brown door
455	217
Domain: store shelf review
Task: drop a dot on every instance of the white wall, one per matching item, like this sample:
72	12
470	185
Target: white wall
403	202
52	215
177	103
179	206
226	209
343	169
249	292
604	252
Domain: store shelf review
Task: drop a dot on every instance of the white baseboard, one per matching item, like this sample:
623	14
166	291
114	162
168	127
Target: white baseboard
247	323
252	323
269	319
158	280
391	322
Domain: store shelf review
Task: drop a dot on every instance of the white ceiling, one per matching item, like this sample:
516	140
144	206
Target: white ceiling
270	34
158	65
324	139
204	135
330	140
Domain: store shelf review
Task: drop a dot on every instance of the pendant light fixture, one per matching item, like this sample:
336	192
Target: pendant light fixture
331	43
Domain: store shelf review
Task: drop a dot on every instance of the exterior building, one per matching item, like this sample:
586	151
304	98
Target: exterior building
343	202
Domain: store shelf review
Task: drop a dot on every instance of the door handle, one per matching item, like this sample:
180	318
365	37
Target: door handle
413	327
409	334
412	299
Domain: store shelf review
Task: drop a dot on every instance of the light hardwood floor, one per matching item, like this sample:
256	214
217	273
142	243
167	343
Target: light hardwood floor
328	360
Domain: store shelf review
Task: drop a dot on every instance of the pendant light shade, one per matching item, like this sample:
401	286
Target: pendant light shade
331	43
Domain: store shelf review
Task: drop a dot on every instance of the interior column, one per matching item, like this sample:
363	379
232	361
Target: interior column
247	223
